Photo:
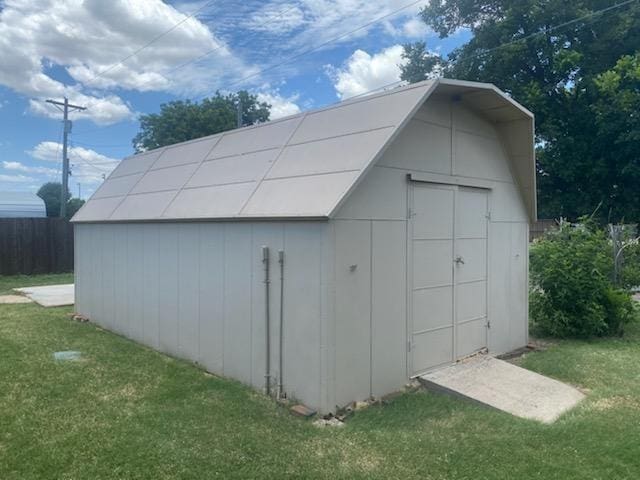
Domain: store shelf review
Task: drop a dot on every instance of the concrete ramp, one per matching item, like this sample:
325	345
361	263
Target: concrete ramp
506	387
50	295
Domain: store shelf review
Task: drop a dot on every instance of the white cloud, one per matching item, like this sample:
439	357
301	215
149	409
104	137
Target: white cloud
15	178
280	106
415	28
278	18
21	167
88	38
87	165
363	72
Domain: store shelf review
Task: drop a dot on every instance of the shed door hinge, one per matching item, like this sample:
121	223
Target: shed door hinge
488	216
409	213
408	345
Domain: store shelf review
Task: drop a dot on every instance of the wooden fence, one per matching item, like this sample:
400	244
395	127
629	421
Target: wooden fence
35	245
538	228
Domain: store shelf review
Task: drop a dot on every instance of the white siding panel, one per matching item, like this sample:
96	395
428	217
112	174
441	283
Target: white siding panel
188	300
237	302
469	121
353	310
107	252
507	204
436	110
519	294
421	146
499	287
388	307
302	314
135	281
152	262
382	195
121	274
480	157
168	288
211	296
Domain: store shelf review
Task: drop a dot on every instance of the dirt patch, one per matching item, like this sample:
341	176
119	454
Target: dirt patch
616	401
12	299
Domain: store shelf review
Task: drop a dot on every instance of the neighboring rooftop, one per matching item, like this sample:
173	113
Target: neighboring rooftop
21	204
302	166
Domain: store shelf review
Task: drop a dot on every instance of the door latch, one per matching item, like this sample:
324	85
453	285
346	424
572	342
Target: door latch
459	260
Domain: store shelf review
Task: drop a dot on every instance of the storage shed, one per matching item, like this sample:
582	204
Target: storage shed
21	205
402	219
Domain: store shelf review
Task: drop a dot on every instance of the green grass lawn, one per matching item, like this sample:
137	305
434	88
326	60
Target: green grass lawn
7	282
125	411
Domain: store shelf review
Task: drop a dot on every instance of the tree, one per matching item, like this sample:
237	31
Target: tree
179	121
50	194
73	205
551	62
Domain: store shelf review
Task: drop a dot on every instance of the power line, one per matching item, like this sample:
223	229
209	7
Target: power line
320	46
478	54
398	82
293	57
550	29
150	42
206	54
209	52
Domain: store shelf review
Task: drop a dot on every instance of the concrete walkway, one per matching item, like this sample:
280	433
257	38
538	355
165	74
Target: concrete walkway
506	387
50	295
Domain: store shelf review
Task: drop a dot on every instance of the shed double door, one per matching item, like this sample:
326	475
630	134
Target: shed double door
447	273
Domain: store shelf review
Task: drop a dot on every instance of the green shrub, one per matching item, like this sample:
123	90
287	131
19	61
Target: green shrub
572	294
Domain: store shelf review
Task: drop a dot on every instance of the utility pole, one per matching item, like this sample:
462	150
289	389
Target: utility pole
79	190
65	160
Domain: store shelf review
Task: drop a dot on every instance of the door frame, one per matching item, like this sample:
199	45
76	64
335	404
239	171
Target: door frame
413	180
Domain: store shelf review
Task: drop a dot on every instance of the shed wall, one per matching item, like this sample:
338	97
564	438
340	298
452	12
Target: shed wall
196	291
453	144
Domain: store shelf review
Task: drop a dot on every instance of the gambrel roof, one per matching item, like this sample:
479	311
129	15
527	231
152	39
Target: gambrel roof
303	166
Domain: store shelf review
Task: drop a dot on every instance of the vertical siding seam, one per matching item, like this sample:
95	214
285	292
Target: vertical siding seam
452	139
251	296
223	320
198	234
370	308
321	348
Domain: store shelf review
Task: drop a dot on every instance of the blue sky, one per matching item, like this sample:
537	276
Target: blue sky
76	47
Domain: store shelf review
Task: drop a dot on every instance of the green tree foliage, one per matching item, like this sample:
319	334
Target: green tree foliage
180	121
563	70
50	194
73	205
572	294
